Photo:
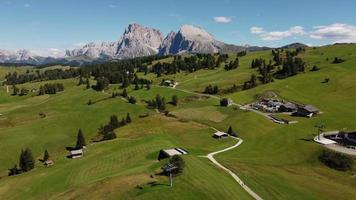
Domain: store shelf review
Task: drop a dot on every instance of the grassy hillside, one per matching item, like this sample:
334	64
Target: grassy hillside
276	161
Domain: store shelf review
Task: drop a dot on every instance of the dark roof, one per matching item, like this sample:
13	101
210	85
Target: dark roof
289	105
311	108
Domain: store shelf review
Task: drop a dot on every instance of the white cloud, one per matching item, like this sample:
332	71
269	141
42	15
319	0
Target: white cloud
256	30
26	5
222	19
51	52
277	35
336	32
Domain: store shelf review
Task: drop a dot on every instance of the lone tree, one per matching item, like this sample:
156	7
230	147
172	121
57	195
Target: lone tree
175	100
124	93
45	156
231	132
128	118
179	163
132	100
80	140
87	82
27	162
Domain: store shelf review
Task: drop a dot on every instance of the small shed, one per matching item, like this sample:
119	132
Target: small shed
76	153
166	153
219	135
48	163
169	83
307	111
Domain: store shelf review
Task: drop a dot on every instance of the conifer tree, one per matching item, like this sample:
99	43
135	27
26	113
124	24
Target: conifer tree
128	118
231	132
114	121
80	140
175	100
87	83
27	161
46	155
124	93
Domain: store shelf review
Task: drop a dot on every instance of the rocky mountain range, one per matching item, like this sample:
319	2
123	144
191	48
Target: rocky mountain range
136	41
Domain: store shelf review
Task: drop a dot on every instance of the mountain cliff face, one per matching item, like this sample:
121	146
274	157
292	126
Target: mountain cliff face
193	39
21	56
190	39
136	41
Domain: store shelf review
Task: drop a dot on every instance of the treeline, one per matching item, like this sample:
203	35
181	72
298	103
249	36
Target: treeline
106	132
52	74
50	88
158	103
188	64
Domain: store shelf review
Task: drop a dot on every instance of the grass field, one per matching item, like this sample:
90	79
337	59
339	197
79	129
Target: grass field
276	161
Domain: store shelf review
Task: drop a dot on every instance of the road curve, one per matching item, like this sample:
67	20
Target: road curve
210	156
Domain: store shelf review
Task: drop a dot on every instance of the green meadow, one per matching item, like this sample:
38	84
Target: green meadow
276	161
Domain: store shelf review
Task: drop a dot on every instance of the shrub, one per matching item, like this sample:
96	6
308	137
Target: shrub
132	100
336	160
337	60
315	68
224	102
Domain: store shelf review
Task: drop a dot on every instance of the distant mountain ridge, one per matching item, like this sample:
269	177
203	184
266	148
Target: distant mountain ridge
137	41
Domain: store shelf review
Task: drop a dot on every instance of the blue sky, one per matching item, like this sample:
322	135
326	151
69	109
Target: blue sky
50	26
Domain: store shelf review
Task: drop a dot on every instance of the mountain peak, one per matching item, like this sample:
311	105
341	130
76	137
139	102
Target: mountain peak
195	32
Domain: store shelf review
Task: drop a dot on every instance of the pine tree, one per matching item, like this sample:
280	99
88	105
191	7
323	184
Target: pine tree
81	81
128	118
87	83
175	100
15	90
124	93
46	155
123	122
27	161
114	121
137	87
80	140
231	132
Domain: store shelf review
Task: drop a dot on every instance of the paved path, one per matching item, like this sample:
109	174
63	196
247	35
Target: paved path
210	156
333	145
266	115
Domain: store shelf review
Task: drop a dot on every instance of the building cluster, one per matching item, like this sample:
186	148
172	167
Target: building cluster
278	106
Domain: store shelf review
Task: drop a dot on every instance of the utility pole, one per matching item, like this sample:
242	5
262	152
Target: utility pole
320	127
171	178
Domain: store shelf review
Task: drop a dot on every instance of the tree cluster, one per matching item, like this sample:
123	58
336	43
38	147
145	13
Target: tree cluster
26	163
241	53
52	74
232	65
107	131
211	89
50	88
157	103
250	83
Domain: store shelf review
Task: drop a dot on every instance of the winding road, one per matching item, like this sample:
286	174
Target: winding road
210	156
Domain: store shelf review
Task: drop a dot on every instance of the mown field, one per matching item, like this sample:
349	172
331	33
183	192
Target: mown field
276	161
